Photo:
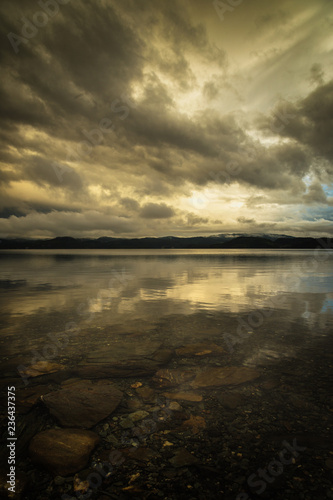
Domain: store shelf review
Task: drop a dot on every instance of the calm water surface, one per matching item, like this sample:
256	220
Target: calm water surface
196	293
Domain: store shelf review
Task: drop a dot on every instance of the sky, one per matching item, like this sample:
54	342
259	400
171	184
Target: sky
136	118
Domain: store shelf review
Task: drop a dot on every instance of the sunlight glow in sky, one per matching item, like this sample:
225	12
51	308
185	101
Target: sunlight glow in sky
154	118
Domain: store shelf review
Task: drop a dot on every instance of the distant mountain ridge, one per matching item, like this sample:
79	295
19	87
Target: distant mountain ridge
169	242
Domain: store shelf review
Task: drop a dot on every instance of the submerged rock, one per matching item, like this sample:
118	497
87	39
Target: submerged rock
200	349
174	406
183	396
126	423
170	378
83	404
195	423
230	375
136	385
134	404
146	393
163	356
63	451
138	415
134	359
183	458
27	398
42	368
231	401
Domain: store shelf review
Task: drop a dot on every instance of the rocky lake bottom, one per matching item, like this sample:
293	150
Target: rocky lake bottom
192	415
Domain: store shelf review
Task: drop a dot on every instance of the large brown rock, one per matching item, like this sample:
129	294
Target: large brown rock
230	375
126	359
63	451
83	404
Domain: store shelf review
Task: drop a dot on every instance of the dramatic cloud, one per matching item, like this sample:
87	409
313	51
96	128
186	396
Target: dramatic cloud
156	211
156	118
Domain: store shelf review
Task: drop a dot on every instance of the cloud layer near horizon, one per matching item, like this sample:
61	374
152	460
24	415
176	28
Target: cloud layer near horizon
152	118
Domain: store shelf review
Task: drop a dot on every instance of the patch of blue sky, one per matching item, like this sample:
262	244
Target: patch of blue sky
318	213
307	179
328	306
328	190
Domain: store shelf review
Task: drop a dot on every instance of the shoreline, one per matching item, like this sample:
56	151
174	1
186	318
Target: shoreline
231	431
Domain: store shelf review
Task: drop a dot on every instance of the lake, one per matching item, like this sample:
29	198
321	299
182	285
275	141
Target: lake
196	367
136	291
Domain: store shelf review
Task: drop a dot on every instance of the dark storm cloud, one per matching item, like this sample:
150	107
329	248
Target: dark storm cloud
195	220
308	121
244	220
10	205
317	74
210	90
315	194
84	48
156	211
45	172
159	75
130	204
7	212
68	222
272	19
150	127
172	22
249	163
65	78
6	176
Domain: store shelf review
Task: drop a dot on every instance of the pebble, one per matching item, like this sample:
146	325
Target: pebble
203	461
154	409
174	406
138	415
112	439
126	423
59	480
329	463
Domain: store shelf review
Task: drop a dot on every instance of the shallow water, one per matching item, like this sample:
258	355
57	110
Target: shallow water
106	315
176	295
